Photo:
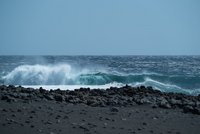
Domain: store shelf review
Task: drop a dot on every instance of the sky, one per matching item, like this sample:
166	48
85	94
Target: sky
99	27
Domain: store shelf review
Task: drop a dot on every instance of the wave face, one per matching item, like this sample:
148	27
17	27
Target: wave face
41	75
175	76
65	74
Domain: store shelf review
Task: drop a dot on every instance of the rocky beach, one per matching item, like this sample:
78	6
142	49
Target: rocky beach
99	67
134	110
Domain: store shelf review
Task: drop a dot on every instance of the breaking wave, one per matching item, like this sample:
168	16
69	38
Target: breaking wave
65	74
166	87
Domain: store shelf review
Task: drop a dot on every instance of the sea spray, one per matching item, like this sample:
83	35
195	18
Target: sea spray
165	73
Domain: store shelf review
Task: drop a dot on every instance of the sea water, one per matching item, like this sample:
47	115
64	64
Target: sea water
166	73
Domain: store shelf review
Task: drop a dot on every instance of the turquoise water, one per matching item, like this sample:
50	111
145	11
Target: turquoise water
166	73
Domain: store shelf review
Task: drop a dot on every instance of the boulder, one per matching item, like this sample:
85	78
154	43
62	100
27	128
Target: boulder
49	97
42	90
164	103
59	98
190	109
7	98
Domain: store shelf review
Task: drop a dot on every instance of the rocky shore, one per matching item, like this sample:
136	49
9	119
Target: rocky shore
114	110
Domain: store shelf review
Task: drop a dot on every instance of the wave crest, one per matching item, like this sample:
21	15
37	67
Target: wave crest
65	74
165	87
40	74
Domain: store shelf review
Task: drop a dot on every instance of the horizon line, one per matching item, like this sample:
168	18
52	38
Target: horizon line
101	55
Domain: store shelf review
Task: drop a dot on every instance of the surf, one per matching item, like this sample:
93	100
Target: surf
64	75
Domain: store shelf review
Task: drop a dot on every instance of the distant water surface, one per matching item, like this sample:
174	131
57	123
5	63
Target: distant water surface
166	73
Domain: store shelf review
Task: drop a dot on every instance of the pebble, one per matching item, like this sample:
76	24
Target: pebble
114	109
144	123
27	121
123	119
39	130
4	110
13	115
58	121
19	110
48	122
105	124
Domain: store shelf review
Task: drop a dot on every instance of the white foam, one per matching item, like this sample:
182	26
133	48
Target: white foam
164	87
64	76
44	74
72	87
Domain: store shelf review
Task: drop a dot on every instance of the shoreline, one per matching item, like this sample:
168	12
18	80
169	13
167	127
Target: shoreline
114	96
119	110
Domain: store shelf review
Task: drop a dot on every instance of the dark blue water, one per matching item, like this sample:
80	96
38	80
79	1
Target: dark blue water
166	73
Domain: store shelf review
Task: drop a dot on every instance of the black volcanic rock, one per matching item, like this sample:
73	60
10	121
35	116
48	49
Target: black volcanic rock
42	90
114	109
164	103
49	97
191	109
116	97
59	98
7	98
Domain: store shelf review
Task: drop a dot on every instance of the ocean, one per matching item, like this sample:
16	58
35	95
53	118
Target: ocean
165	73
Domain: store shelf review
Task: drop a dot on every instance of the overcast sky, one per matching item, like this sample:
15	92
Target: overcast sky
99	27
